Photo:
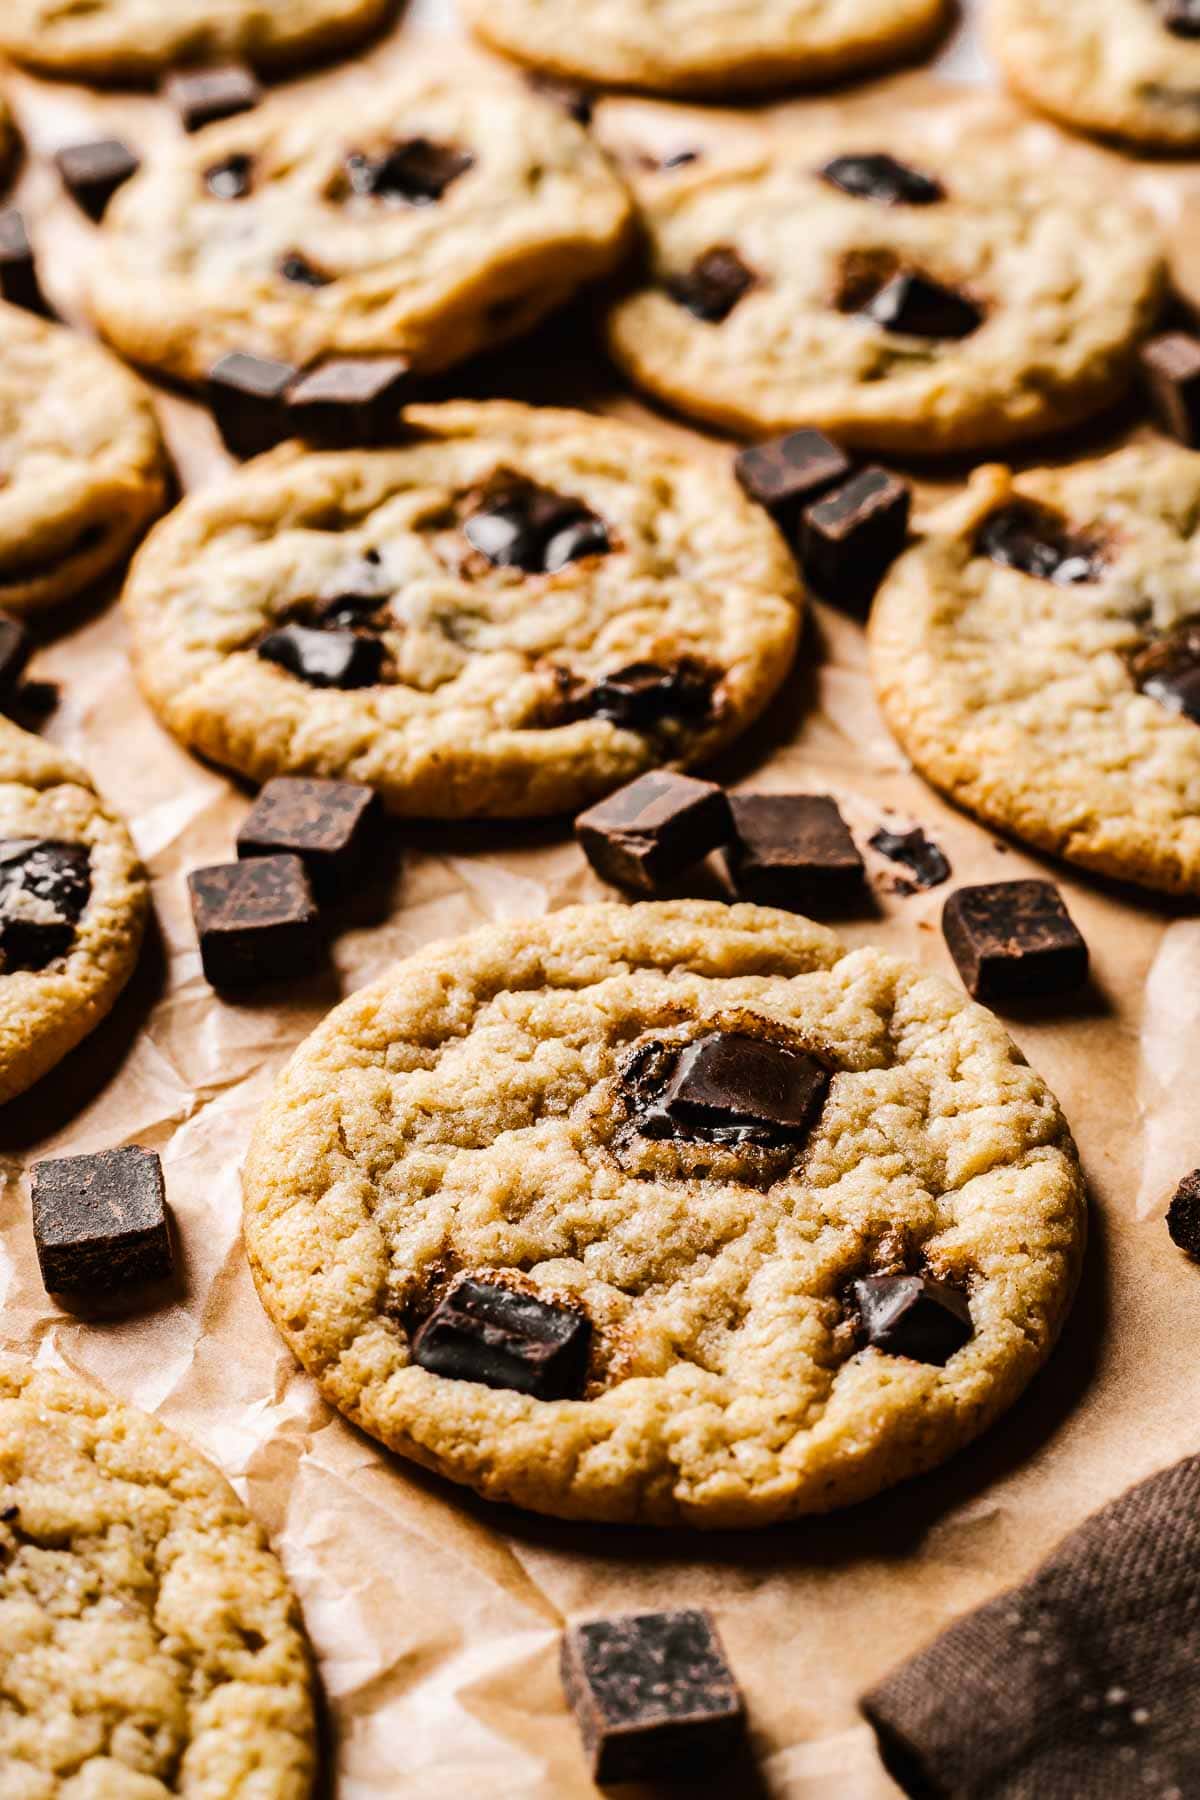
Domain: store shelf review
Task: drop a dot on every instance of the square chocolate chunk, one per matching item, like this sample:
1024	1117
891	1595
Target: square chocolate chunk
19	283
849	539
202	96
727	1080
246	394
350	400
789	473
913	1316
794	851
1013	939
1171	372
93	172
653	1695
483	1331
328	824
256	921
100	1222
654	828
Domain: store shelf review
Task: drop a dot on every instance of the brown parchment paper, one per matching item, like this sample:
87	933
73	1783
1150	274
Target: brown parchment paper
434	1617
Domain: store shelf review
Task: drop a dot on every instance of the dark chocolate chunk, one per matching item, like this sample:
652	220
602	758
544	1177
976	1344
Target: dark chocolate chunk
579	103
645	694
294	266
1181	16
518	525
1038	542
651	830
1171	374
583	537
417	172
729	1085
849	540
1014	938
44	887
923	858
793	850
1183	1216
653	1695
713	285
1168	669
915	306
232	178
246	394
881	177
19	283
913	1316
255	921
202	96
350	400
16	647
358	593
484	1331
100	1222
329	825
789	473
325	658
93	172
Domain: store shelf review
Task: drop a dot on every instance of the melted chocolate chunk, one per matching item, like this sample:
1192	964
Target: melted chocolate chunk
325	658
1181	16
1014	940
652	829
713	285
882	178
913	1316
295	266
582	538
100	1222
44	887
518	525
923	858
1168	670
1183	1216
914	306
356	597
645	694
417	172
1036	541
725	1088
231	179
483	1331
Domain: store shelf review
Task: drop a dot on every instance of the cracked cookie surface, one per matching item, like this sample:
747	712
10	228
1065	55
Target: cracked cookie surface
149	1645
347	614
471	1113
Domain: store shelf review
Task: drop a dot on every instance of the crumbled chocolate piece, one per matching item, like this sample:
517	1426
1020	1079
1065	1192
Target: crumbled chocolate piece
519	525
793	850
19	281
729	1087
16	647
1168	669
579	103
350	400
1181	17
789	473
100	1222
202	96
645	694
1183	1216
332	658
926	862
329	825
255	921
649	831
713	285
1171	375
294	266
246	394
483	1331
849	540
915	306
881	177
653	1695
93	172
232	178
913	1316
1011	939
417	172
44	887
1038	542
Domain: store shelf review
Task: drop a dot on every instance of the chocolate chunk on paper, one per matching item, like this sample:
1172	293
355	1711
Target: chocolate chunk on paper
1183	1215
350	400
255	921
246	394
100	1222
654	828
202	96
92	172
1014	939
329	825
925	861
794	851
788	473
487	1332
849	540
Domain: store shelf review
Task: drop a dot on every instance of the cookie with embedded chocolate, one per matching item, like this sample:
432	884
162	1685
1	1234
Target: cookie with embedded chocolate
593	1213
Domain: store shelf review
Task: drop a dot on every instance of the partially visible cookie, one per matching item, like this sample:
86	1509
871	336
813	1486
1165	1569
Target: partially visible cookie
706	46
73	903
124	40
508	616
429	213
149	1644
82	466
1038	656
904	293
1111	66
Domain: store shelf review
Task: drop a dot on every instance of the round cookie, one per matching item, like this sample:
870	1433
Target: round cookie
73	903
1109	66
906	295
149	1644
135	40
1033	656
430	213
706	46
512	614
493	1110
82	467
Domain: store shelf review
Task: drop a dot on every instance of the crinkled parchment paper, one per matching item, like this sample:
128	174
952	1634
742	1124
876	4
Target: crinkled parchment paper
435	1618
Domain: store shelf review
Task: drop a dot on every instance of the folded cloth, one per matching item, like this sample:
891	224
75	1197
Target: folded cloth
1083	1684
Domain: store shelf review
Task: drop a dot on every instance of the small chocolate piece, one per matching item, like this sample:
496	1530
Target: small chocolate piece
202	96
1181	16
1038	542
913	1316
350	400
882	178
713	285
789	473
295	267
920	855
19	283
327	824
643	695
653	1695
679	159
231	179
325	658
255	921
1168	669
915	306
651	830
483	1331
849	540
1183	1216
246	394
583	537
417	172
518	525
1011	939
100	1222
579	103
357	594
793	850
93	172
1171	374
727	1082
44	887
16	647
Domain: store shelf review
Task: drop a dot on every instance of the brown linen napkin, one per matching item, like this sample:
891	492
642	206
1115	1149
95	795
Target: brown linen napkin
1083	1684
